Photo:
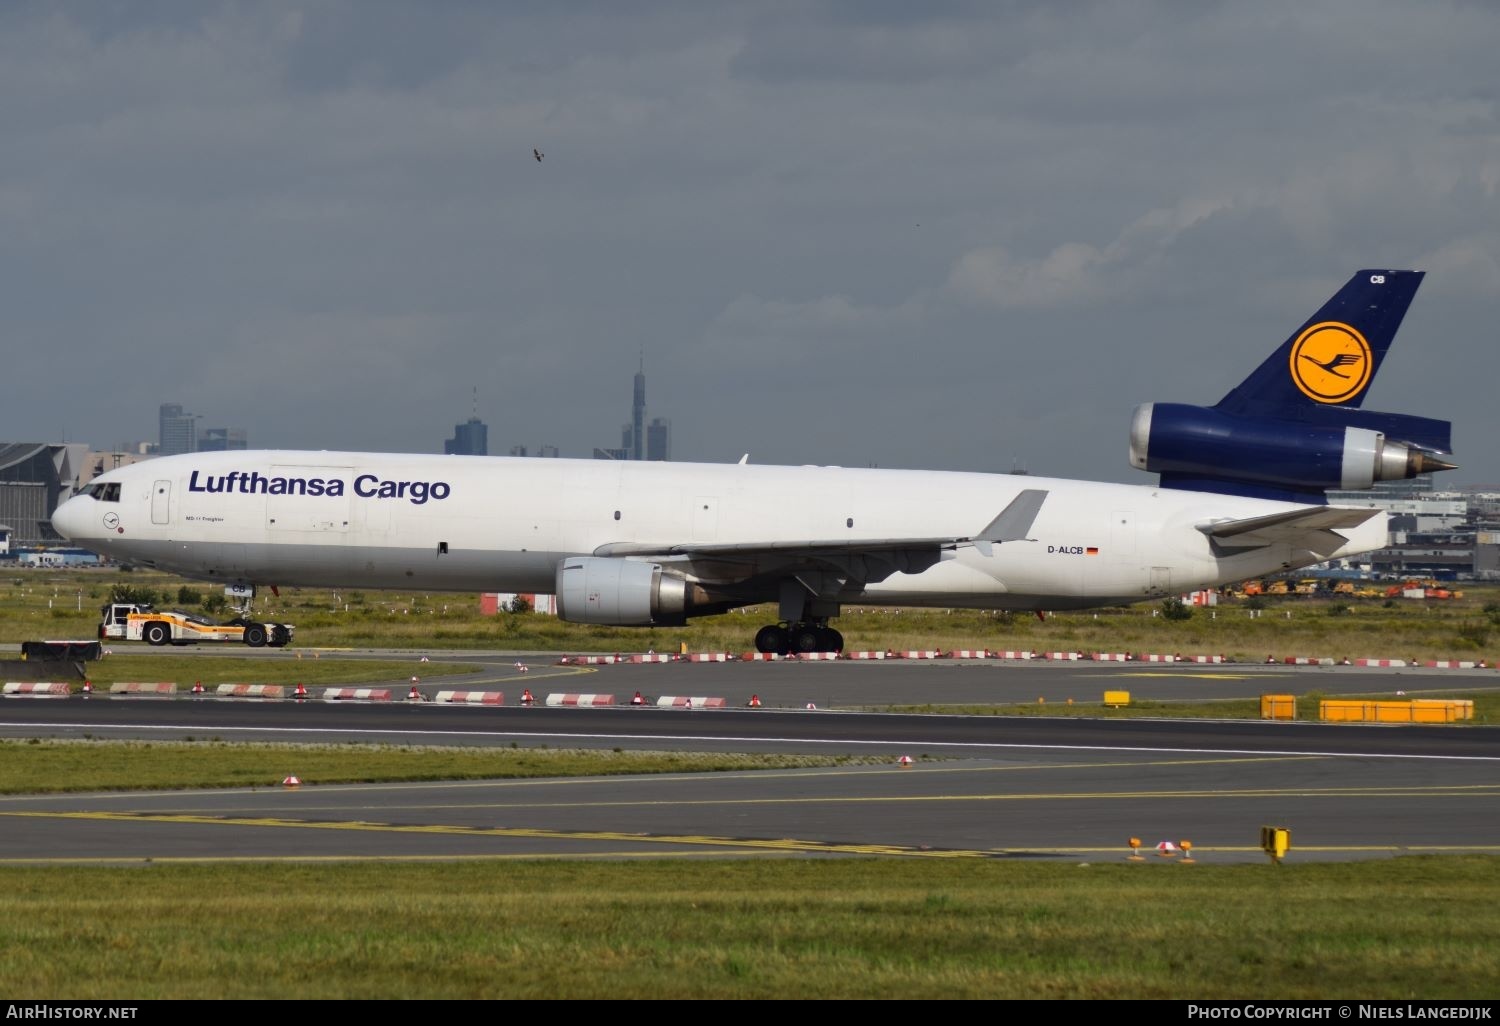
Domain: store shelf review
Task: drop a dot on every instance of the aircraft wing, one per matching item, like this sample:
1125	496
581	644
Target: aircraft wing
1312	528
866	560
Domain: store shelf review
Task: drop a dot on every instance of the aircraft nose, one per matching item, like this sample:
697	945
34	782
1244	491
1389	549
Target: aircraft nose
69	519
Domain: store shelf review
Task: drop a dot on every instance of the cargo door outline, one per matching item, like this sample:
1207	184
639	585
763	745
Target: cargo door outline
297	511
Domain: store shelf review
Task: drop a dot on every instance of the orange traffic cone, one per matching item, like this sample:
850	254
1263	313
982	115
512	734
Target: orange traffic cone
637	699
291	782
754	702
526	698
301	691
88	688
197	687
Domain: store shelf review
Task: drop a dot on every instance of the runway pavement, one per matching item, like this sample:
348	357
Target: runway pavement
977	787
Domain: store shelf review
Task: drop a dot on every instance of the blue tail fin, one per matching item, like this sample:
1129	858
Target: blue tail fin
1294	428
1333	358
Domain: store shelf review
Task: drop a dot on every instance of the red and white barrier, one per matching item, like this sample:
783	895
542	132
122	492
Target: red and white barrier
762	656
134	688
1062	656
1309	661
555	700
969	653
359	694
1156	657
881	654
38	688
818	657
652	657
1209	659
688	702
1014	655
1380	662
472	697
928	654
706	657
250	691
1111	657
592	660
1454	664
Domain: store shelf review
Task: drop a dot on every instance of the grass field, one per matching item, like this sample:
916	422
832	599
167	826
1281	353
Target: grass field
65	604
1409	929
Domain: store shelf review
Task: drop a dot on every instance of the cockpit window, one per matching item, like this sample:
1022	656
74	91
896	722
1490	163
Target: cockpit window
105	492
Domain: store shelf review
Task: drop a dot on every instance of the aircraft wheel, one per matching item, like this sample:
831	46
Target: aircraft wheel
772	638
806	638
832	640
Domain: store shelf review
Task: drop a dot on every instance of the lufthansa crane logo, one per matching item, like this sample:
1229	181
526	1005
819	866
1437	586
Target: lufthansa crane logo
1331	362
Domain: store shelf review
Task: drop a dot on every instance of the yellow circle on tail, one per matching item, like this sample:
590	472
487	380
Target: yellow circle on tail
1331	362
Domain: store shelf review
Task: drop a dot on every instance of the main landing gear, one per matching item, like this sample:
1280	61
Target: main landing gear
783	638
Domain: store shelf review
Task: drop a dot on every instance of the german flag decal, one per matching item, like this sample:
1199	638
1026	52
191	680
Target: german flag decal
1092	550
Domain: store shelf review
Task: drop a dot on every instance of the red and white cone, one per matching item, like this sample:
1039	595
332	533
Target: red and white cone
905	760
291	781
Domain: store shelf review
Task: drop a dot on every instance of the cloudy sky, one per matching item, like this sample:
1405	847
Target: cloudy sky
953	235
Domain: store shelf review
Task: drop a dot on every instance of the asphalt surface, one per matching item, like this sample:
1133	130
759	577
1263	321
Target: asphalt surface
1038	787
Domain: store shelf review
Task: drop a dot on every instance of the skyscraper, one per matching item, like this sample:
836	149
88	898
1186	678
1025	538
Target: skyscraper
221	439
471	438
638	414
177	433
638	440
659	440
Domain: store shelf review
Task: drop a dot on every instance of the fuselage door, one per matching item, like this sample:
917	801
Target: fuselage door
161	502
1161	580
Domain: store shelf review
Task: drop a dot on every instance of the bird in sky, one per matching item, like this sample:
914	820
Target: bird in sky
537	154
1333	365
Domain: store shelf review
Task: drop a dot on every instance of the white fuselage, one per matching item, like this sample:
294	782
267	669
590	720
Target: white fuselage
474	523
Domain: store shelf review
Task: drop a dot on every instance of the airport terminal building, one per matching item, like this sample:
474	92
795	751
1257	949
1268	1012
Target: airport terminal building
34	478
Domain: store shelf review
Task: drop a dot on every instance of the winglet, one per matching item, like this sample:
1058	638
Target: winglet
1014	521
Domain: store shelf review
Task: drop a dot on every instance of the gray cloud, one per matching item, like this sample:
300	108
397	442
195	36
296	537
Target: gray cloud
954	235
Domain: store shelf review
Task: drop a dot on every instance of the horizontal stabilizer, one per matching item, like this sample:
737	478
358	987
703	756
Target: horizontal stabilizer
1310	528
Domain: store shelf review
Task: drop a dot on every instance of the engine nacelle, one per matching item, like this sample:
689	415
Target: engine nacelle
620	593
1188	445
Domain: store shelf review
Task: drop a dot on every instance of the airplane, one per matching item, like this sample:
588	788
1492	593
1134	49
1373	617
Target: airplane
1241	494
